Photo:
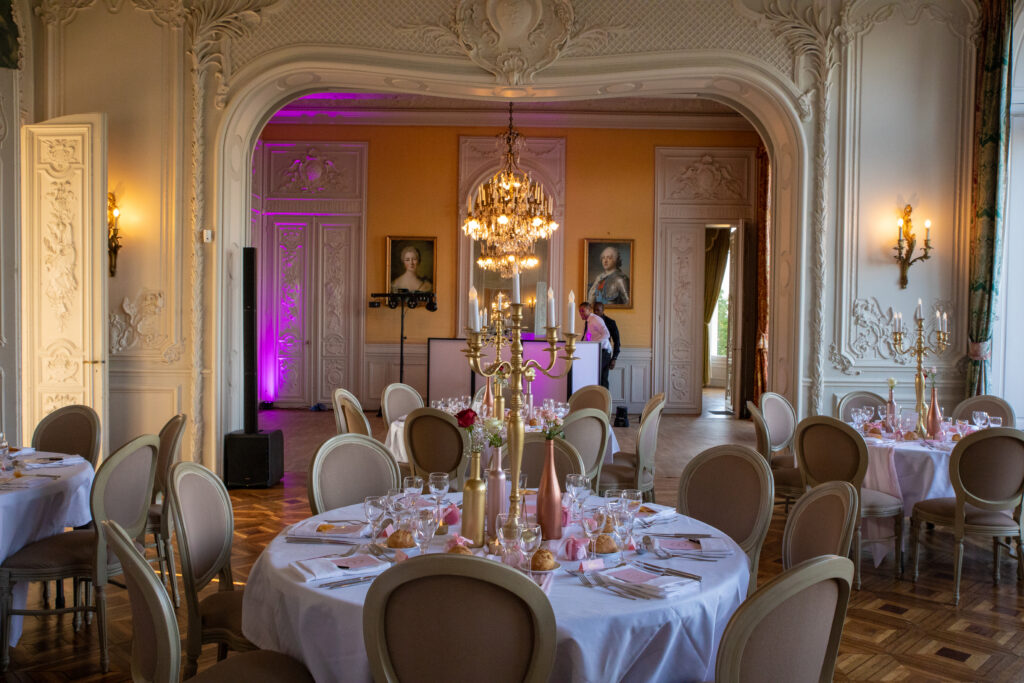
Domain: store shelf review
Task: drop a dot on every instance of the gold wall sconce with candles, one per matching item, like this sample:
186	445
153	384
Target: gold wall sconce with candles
113	233
907	240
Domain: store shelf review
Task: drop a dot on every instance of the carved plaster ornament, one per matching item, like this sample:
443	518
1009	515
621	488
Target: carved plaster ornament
312	173
707	180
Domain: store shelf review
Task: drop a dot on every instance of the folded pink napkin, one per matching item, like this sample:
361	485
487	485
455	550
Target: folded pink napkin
545	581
575	548
565	515
591	565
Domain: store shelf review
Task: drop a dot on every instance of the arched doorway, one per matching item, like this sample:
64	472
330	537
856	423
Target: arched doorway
264	87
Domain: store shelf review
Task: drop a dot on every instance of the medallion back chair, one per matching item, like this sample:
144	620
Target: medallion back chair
535	453
121	492
348	414
504	601
730	487
156	642
346	469
789	630
159	523
781	420
651	404
789	485
828	449
591	396
986	470
398	400
204	522
993	405
821	523
435	443
636	470
858	399
588	431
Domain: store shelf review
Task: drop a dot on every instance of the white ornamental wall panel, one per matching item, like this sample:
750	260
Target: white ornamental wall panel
63	236
338	314
291	275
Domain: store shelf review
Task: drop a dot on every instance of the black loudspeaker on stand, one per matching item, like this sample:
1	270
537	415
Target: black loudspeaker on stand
252	458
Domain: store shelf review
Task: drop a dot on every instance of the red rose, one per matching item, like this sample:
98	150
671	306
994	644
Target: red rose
466	418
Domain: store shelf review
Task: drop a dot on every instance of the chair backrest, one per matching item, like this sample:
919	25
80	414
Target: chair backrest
535	452
986	470
651	404
71	429
647	446
170	450
789	630
591	396
857	399
156	642
348	414
588	431
504	602
205	524
121	492
780	418
730	487
347	468
828	449
764	441
434	443
821	523
993	405
398	400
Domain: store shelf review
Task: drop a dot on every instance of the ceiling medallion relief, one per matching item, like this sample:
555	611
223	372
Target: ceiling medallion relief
514	39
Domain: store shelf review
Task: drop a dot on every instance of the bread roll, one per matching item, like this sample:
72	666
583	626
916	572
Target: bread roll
401	539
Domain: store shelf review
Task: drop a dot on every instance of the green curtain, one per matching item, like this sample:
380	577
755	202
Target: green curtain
988	191
716	255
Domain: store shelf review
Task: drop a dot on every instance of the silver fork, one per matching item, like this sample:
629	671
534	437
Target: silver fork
617	590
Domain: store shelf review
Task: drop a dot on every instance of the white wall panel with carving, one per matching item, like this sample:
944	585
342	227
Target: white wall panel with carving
906	116
9	284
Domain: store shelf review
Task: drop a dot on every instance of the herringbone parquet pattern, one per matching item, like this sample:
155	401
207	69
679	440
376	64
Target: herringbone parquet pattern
895	630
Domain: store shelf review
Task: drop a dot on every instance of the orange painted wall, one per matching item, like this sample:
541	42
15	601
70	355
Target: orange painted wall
412	184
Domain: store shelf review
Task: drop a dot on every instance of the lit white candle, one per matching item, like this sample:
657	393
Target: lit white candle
938	321
551	308
474	310
918	315
572	312
927	231
899	230
899	322
515	283
945	323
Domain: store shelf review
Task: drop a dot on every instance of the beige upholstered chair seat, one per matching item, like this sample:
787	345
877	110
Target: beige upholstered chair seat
877	504
68	550
624	458
155	512
787	478
787	460
618	476
943	511
260	665
223	610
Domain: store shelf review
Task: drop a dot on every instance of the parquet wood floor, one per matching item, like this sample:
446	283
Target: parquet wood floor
895	630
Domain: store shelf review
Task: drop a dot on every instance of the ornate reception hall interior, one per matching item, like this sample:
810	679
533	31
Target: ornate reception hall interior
771	198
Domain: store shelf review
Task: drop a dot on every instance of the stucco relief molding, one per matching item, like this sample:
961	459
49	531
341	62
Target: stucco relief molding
963	21
815	33
311	173
683	251
52	402
59	251
513	39
57	12
137	323
707	180
170	13
61	366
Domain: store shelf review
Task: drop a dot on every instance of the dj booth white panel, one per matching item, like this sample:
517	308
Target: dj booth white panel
448	372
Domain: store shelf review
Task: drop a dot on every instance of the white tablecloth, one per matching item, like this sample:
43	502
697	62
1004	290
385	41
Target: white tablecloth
28	515
910	470
601	637
395	442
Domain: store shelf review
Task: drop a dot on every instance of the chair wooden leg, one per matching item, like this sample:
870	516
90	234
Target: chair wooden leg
995	559
161	557
89	600
58	600
222	651
5	624
856	558
172	571
915	540
899	545
76	600
958	562
101	621
46	593
1020	561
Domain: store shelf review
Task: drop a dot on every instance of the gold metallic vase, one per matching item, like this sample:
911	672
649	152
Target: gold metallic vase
473	500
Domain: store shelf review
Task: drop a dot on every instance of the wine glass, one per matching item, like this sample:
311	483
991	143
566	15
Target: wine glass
413	485
961	427
374	508
572	491
591	529
980	419
427	521
438	484
508	537
995	421
529	540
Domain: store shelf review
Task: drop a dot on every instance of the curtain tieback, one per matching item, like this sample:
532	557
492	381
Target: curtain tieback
979	350
762	341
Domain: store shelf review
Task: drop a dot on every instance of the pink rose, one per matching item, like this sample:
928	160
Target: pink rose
451	515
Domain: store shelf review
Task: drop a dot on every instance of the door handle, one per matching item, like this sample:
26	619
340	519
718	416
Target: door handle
93	362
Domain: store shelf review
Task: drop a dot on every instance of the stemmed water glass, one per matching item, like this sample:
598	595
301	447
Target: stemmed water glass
591	529
438	484
577	488
632	499
529	540
413	486
426	522
980	419
509	539
374	507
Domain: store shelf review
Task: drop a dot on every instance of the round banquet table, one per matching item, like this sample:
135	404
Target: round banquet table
600	636
44	507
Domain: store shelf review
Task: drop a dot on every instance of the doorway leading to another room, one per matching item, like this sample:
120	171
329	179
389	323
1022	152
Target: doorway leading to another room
723	287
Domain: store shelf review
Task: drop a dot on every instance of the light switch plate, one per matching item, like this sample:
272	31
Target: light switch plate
207	236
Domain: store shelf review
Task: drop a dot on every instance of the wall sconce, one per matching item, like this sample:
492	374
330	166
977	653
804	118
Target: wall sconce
113	234
906	236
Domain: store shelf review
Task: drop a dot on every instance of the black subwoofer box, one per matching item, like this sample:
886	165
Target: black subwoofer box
253	460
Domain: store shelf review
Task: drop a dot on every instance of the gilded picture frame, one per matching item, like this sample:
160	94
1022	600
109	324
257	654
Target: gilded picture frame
608	272
411	263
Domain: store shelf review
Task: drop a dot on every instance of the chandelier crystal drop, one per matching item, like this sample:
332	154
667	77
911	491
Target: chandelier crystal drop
509	213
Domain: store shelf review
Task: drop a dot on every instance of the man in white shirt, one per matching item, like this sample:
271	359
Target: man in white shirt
595	330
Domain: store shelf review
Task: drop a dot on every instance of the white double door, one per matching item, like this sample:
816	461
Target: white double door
310	311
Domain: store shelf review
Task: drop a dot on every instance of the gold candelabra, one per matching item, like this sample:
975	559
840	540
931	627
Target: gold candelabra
515	369
920	349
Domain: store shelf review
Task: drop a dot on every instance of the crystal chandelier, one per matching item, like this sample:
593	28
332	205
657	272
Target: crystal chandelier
510	213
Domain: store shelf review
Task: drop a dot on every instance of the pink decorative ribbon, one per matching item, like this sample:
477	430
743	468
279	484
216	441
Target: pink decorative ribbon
575	548
979	350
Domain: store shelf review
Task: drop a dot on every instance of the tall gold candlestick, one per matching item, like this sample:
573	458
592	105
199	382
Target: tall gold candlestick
514	369
921	349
